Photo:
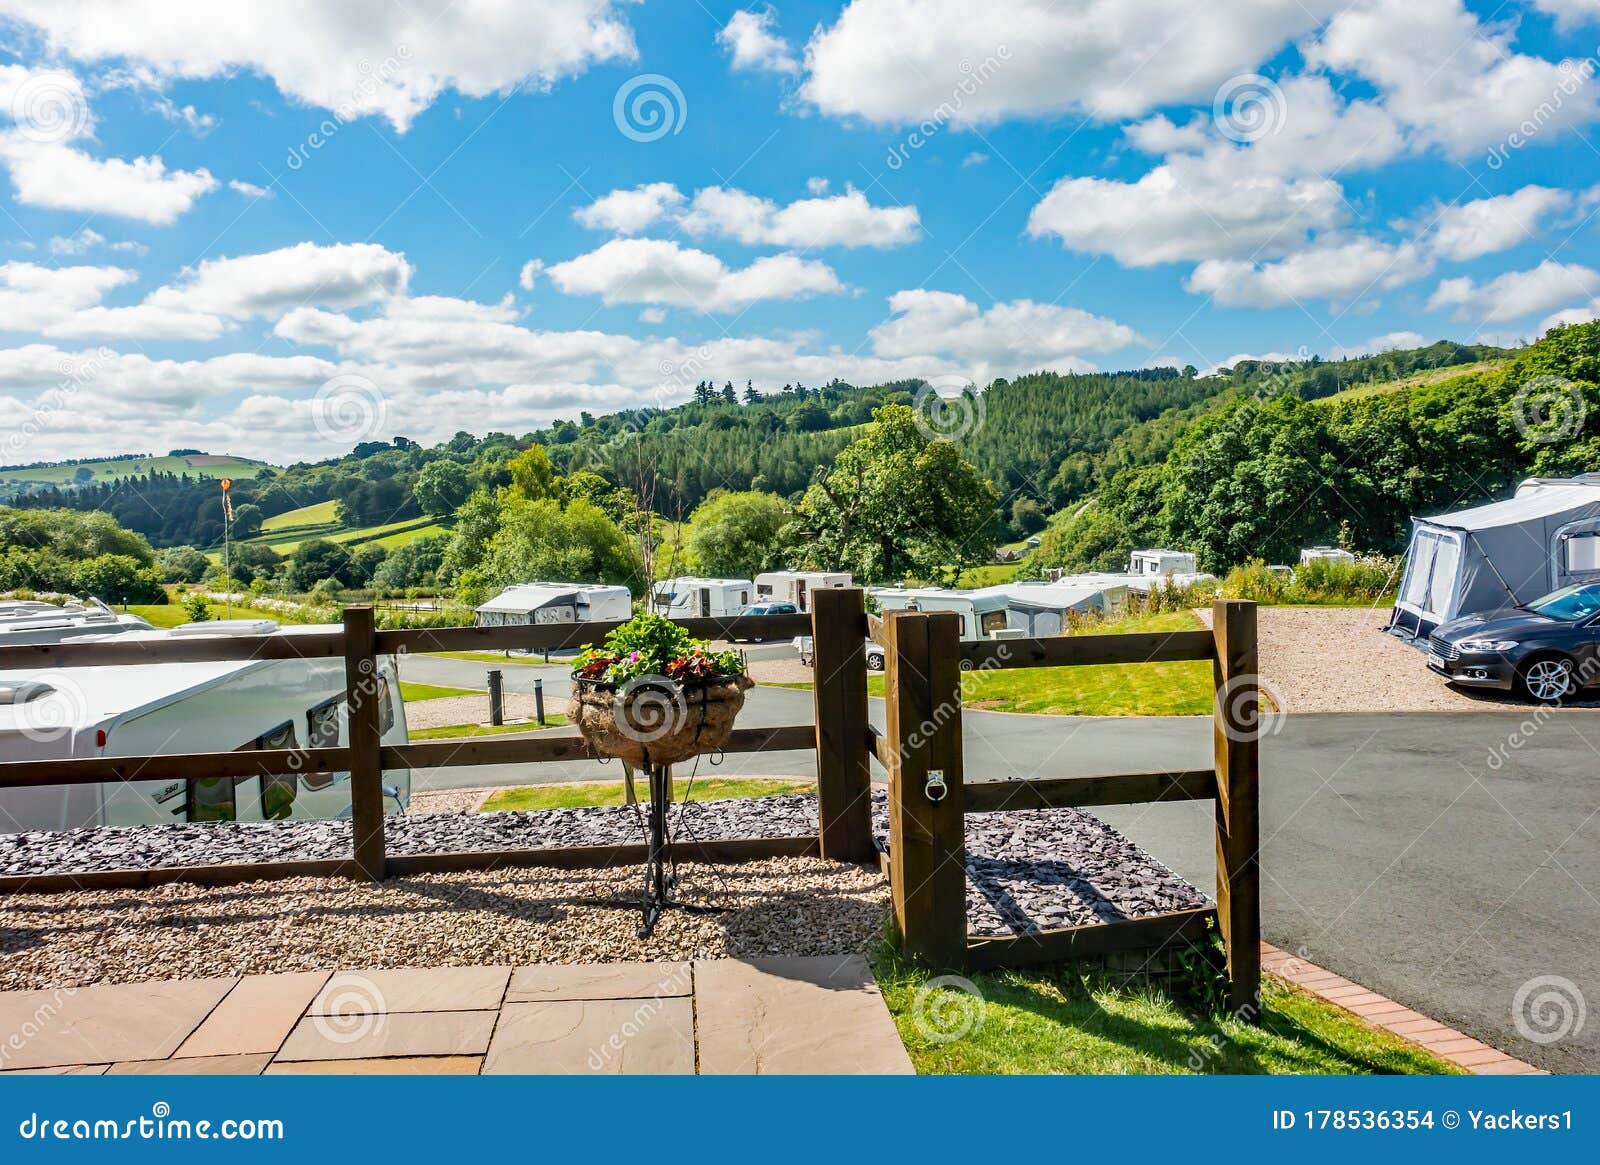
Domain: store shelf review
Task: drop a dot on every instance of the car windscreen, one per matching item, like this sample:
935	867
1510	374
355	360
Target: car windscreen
1569	604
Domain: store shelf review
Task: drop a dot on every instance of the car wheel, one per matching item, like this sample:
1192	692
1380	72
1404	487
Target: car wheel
1548	680
875	662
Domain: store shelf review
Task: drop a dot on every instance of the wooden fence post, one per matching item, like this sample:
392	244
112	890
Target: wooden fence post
927	845
1236	734
844	774
366	770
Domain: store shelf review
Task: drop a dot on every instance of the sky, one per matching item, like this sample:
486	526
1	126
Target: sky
277	230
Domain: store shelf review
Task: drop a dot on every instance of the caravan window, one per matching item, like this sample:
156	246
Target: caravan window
1583	552
385	706
322	731
993	621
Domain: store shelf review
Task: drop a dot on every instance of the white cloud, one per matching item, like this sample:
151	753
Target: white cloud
87	240
1570	13
250	189
1332	268
268	284
659	271
529	275
817	185
627	212
1455	82
975	158
66	302
361	56
1392	342
1468	230
752	43
1516	295
1006	339
59	177
842	220
653	315
905	61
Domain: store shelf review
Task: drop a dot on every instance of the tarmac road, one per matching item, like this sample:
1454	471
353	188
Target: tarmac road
1445	859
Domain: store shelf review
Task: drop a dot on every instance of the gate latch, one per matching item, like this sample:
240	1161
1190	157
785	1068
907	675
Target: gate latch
935	789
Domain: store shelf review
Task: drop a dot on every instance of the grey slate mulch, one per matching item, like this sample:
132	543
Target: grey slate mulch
1028	870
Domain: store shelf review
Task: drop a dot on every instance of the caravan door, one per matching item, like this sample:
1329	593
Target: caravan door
1433	570
1575	555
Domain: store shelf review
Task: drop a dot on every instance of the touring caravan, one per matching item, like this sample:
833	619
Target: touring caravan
1325	554
1543	537
555	602
29	622
982	612
1160	563
701	598
1036	609
792	586
162	708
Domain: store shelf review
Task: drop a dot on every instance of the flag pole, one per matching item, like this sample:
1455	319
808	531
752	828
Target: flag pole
227	550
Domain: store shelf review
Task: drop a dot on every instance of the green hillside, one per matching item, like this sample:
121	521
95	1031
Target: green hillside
212	465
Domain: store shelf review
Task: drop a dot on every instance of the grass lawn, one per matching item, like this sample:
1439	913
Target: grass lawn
412	693
611	793
454	731
497	657
173	614
1057	1020
1122	689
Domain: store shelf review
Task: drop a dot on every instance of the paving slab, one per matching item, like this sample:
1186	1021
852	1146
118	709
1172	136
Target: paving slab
431	1033
595	1037
552	981
794	1016
105	1023
412	989
195	1066
61	1070
257	1015
396	1066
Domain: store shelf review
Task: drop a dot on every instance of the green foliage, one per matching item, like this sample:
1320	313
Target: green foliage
512	539
895	504
652	645
318	561
735	535
441	487
184	564
197	608
412	564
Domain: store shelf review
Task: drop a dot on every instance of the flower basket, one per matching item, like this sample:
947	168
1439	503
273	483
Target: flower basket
656	720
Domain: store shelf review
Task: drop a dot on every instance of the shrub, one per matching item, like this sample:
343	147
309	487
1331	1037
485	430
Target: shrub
650	645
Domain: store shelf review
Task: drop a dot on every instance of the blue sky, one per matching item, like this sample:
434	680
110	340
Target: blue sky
278	232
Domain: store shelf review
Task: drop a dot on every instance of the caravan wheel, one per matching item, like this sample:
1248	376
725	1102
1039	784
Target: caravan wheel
1548	680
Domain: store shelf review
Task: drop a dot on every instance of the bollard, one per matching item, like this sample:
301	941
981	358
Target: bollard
538	701
497	699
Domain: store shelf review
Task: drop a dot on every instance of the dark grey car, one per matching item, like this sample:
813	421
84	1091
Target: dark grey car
1547	650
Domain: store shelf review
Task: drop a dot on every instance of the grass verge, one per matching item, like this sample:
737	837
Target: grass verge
174	614
1062	1020
611	793
453	731
412	693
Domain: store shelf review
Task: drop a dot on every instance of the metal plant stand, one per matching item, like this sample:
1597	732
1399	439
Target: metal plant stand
661	866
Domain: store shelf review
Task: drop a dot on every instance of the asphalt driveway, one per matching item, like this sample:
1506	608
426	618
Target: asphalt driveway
1448	860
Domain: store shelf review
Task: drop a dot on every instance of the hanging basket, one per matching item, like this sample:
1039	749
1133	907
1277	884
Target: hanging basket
654	720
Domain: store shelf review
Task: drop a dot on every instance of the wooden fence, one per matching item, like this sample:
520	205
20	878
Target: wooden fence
838	626
929	797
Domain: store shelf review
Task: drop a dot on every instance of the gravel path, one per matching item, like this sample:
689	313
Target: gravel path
450	710
789	906
1337	659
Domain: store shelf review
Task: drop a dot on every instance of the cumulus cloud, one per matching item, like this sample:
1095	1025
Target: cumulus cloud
840	220
267	284
1333	268
87	240
903	61
361	57
67	302
659	271
250	189
1517	295
1484	226
752	43
1392	342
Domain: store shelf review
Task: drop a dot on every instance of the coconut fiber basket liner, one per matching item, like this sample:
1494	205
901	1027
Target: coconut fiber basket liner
656	720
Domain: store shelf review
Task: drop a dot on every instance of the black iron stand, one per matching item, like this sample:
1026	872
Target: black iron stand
661	870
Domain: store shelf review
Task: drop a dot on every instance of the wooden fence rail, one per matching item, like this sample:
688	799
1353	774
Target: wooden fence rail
929	795
837	625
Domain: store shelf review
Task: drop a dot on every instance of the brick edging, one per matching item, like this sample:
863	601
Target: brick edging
1381	1012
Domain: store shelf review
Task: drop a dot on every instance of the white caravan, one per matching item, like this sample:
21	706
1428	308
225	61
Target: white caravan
156	709
28	622
701	598
1325	554
1160	563
556	602
1037	609
792	586
982	612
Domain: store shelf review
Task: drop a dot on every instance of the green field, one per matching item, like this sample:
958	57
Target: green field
199	465
316	514
413	693
173	614
1432	376
1121	689
573	796
285	532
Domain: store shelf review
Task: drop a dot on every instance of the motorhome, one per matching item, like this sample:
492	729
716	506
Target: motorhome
157	709
30	622
556	602
793	586
701	598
